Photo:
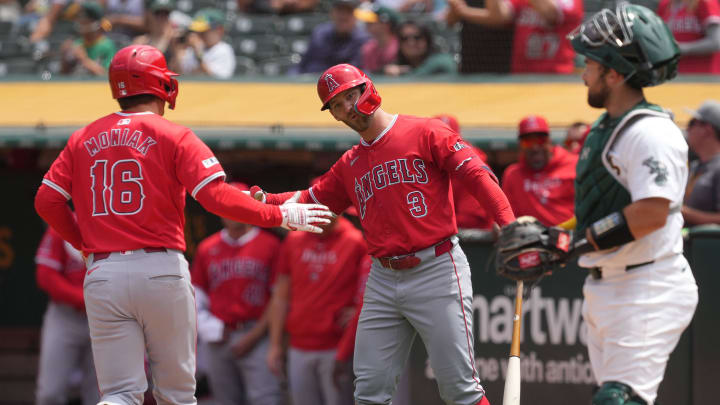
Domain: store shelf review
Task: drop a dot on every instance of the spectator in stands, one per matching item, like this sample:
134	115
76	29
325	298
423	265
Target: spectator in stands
127	17
575	136
541	183
337	41
57	9
93	51
702	197
381	23
416	54
405	6
291	6
314	302
541	26
207	53
232	273
9	10
161	31
696	27
65	336
469	213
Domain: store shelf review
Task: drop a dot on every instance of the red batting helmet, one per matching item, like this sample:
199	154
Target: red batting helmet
141	69
341	77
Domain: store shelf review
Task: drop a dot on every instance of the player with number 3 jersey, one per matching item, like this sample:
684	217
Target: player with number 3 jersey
127	174
398	179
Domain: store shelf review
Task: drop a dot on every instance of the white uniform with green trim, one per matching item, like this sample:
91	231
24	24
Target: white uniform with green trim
635	317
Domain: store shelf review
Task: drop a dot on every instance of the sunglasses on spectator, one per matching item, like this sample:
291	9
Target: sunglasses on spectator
416	37
694	122
527	142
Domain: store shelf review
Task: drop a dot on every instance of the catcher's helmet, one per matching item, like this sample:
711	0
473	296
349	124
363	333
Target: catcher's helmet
341	77
633	40
141	69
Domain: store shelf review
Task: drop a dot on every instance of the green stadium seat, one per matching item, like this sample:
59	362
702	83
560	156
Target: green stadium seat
279	65
303	23
261	46
246	24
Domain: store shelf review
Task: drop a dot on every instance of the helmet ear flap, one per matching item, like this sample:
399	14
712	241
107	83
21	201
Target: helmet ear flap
369	101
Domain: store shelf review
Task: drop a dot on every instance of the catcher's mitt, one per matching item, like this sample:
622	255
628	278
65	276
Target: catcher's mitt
527	249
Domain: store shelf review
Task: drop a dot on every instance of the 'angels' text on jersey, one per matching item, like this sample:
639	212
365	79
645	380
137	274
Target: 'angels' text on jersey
388	174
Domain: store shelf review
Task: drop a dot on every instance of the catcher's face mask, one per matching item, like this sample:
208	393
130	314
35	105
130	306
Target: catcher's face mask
606	27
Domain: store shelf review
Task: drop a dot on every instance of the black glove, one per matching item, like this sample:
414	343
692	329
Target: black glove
527	249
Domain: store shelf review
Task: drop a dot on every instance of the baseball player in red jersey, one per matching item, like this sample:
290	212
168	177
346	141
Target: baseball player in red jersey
695	24
398	179
313	301
65	338
232	272
127	174
541	183
469	214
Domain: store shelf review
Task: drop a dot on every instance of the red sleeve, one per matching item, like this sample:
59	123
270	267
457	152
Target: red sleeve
708	12
459	159
58	287
330	189
280	198
346	346
198	272
50	259
52	206
195	164
229	202
662	8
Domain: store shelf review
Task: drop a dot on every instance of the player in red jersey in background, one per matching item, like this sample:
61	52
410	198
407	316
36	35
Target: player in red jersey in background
65	337
232	273
541	183
127	174
469	213
313	302
398	179
541	26
695	24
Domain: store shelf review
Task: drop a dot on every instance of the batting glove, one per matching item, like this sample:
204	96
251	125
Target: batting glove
304	217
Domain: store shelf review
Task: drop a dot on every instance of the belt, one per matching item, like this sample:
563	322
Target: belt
104	255
596	273
413	259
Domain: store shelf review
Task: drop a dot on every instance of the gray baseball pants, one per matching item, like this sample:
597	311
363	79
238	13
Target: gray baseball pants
138	301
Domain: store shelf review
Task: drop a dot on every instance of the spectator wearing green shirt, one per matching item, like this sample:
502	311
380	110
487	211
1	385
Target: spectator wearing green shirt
417	55
93	50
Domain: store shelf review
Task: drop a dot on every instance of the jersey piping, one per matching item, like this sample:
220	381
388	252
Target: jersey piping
207	180
45	261
376	140
124	114
57	188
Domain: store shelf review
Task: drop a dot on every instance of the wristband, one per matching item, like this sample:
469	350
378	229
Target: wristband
611	231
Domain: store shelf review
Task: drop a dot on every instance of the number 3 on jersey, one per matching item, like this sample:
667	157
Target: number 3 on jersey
416	200
122	189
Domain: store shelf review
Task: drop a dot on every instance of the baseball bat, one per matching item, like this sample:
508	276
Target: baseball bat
511	395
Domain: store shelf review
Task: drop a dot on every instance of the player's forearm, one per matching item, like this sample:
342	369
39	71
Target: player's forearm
547	9
646	216
93	67
53	208
706	45
58	287
697	217
280	198
482	184
229	202
276	320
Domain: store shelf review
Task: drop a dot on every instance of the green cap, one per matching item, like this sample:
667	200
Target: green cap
373	13
207	19
162	5
92	10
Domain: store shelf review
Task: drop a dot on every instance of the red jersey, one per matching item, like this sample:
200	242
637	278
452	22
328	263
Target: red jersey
236	274
689	26
324	271
60	270
400	185
548	194
469	213
127	175
539	48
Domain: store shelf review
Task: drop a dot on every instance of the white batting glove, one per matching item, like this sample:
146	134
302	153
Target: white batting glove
304	217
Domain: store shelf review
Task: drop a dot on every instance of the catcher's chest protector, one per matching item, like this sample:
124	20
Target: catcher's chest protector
597	192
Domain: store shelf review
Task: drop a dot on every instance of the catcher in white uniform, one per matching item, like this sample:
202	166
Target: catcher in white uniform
640	294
